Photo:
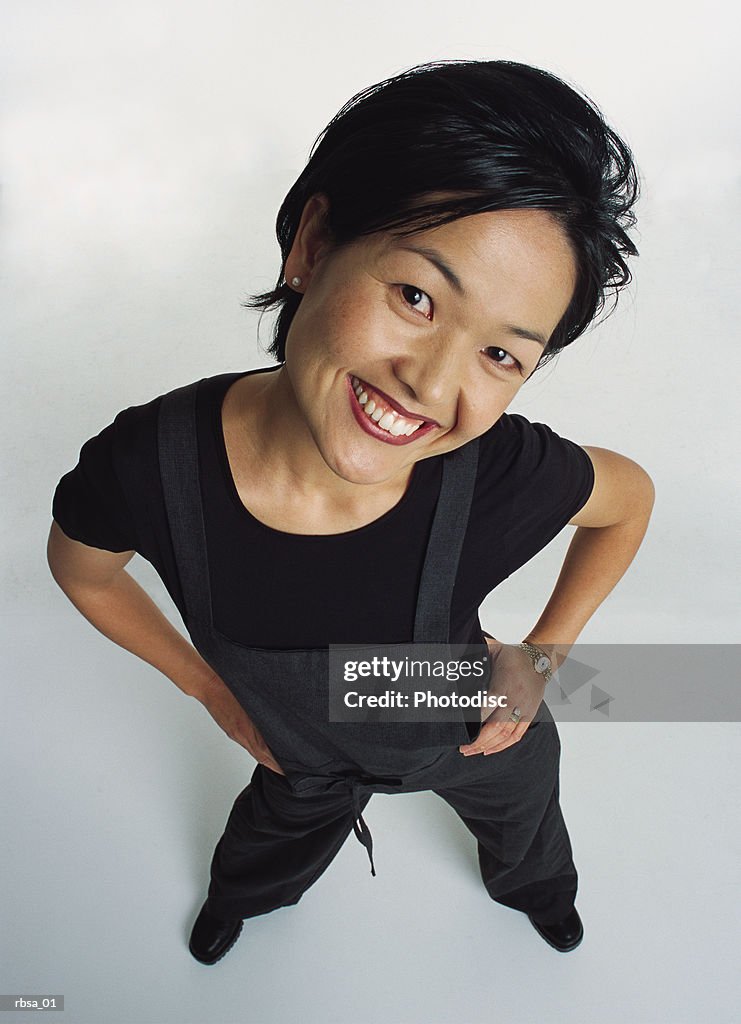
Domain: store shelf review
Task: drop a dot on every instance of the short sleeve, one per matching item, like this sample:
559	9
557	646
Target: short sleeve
89	502
554	479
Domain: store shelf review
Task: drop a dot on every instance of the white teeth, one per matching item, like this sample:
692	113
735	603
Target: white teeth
395	425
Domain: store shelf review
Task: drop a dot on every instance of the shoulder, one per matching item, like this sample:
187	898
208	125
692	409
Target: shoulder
135	427
532	452
111	497
531	481
542	478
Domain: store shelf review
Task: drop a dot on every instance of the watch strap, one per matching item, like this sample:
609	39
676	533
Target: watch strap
537	656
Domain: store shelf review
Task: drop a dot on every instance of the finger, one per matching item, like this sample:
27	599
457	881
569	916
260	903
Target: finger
479	743
269	761
514	737
259	751
271	764
505	728
489	734
253	742
502	740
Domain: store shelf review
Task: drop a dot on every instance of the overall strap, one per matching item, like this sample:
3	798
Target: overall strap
177	440
432	619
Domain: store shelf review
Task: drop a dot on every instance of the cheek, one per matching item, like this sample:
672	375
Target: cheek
480	413
320	331
352	328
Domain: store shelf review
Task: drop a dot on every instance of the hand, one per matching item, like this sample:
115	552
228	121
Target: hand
512	676
229	714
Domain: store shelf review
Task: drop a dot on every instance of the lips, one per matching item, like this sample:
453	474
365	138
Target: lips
369	426
396	406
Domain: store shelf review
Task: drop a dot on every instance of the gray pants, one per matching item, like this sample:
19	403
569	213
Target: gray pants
277	844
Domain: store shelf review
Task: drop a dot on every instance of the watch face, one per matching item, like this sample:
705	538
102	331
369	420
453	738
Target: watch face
542	664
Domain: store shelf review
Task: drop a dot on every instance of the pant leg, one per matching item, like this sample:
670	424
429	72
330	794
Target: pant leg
513	810
275	846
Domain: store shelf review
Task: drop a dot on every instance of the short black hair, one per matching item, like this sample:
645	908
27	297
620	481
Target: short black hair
491	135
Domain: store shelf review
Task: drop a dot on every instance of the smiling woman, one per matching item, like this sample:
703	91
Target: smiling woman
454	228
447	140
377	310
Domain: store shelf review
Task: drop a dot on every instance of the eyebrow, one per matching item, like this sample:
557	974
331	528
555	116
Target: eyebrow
523	332
436	259
454	281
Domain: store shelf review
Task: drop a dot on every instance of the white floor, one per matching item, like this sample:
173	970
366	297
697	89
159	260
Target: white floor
117	789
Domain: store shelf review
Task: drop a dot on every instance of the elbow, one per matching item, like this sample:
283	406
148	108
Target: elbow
639	494
645	492
652	495
50	559
56	547
639	502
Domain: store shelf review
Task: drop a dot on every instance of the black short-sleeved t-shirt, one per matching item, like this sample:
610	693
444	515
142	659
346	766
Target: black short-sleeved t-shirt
279	590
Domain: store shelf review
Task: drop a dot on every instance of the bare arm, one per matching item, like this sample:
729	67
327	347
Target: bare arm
97	584
611	527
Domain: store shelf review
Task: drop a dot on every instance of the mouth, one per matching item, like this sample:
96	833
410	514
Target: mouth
383	418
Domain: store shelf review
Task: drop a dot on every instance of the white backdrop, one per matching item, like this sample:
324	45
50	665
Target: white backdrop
147	147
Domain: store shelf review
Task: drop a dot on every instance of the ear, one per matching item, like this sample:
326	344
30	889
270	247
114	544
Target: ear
312	242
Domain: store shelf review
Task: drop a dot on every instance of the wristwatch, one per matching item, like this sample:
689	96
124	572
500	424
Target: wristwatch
541	662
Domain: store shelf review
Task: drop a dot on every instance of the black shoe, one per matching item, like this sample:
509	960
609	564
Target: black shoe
212	938
564	935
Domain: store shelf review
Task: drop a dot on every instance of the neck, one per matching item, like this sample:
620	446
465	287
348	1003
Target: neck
285	449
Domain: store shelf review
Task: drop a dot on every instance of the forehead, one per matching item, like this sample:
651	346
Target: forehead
522	256
489	238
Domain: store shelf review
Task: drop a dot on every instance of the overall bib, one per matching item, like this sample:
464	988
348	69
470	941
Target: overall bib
283	831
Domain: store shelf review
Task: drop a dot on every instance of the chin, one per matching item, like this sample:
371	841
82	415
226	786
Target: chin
366	471
362	476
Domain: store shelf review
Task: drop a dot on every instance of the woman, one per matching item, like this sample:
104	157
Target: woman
455	227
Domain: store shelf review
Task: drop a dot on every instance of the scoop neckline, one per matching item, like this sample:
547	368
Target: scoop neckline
231	487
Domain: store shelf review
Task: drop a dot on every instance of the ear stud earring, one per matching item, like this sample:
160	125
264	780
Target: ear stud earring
295	281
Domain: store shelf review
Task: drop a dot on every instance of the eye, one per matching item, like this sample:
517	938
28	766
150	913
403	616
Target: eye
413	296
499	355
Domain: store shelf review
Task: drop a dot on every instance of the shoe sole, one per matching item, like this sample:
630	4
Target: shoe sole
223	952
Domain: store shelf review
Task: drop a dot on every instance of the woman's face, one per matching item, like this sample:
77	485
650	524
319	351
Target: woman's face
434	325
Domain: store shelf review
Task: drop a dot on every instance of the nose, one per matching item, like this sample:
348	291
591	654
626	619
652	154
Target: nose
432	375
